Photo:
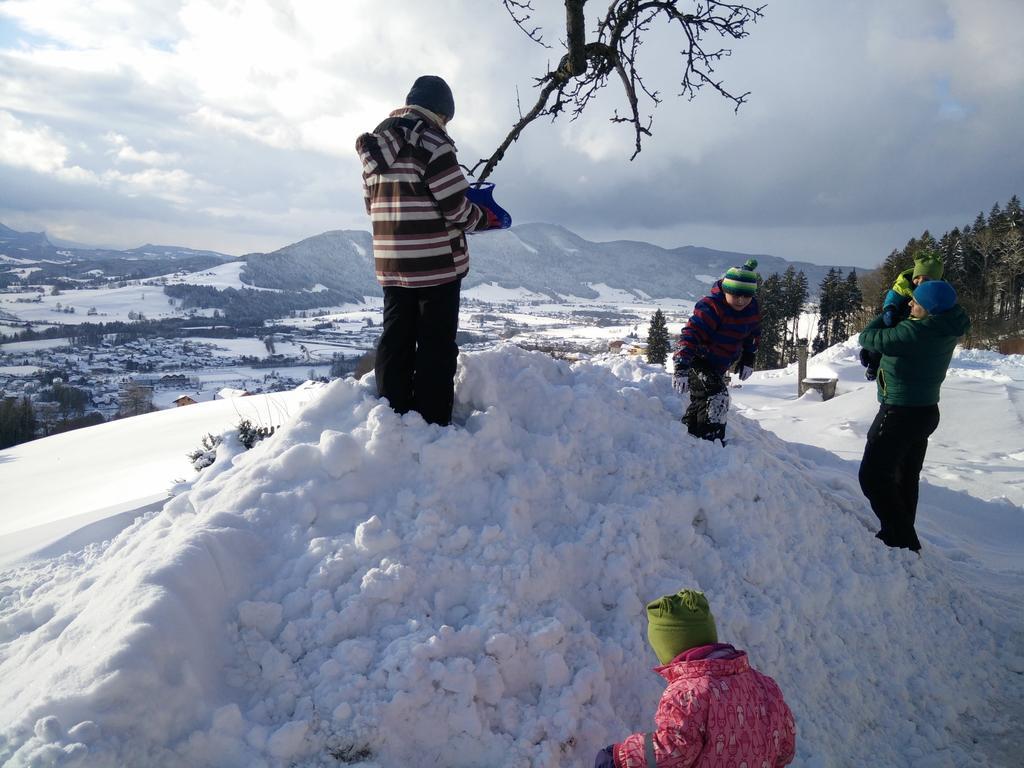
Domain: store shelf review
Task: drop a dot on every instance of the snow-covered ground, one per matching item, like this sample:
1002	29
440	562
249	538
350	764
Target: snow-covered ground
110	305
222	276
367	589
57	486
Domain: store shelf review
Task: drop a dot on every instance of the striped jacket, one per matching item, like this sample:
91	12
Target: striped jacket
719	334
415	194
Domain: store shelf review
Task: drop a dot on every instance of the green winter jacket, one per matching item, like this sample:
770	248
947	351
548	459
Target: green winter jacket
915	355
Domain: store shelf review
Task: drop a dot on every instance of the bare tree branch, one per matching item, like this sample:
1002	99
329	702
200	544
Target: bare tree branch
521	12
586	67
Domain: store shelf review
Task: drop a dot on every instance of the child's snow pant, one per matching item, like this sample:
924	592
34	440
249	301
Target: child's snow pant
709	403
870	360
416	353
890	471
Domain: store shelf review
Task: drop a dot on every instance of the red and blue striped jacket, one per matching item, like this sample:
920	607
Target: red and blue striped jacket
415	193
719	334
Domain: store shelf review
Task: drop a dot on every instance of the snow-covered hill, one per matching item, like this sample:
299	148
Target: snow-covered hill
37	247
543	258
367	589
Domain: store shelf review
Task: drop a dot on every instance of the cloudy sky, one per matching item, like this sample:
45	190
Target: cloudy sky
230	124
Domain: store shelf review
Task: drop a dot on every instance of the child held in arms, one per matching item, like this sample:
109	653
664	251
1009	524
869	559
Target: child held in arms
717	709
725	326
896	306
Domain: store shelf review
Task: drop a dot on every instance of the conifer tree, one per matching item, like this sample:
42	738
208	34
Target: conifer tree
828	306
794	296
657	339
773	323
840	302
984	261
17	421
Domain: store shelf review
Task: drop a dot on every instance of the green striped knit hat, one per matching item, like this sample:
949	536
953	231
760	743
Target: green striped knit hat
678	622
741	280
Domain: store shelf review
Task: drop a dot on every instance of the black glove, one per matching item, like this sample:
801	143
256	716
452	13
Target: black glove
604	758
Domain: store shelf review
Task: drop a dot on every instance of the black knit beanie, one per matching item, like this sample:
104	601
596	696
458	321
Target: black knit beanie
433	93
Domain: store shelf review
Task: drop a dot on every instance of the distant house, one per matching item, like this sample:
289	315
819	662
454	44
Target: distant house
183	400
228	393
175	379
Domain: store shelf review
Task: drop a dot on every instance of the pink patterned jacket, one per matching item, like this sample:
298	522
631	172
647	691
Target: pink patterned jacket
715	713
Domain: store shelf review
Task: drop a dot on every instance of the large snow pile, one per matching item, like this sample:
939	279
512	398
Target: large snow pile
365	588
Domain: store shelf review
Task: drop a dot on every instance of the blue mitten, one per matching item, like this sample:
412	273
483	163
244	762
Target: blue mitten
889	317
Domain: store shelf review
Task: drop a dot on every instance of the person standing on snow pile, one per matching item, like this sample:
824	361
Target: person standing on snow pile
717	709
896	306
915	354
725	327
415	194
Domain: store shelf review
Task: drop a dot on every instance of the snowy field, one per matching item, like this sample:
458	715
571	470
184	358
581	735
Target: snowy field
111	304
114	304
369	590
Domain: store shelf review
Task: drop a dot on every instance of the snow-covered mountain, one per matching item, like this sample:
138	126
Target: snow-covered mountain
367	589
33	252
542	258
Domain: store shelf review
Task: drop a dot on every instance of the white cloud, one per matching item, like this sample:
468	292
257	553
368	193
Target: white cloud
266	129
36	149
98	23
126	153
176	186
860	112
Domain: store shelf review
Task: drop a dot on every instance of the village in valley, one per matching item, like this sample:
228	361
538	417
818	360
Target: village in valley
56	358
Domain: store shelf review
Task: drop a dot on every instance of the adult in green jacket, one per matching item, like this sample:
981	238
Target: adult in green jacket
915	355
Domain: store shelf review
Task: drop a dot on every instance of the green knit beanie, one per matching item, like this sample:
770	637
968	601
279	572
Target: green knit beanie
678	622
741	280
929	264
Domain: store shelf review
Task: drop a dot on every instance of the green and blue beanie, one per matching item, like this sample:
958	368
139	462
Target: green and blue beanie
929	264
678	622
741	280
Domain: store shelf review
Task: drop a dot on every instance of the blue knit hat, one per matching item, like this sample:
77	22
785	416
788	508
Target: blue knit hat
936	296
741	280
432	92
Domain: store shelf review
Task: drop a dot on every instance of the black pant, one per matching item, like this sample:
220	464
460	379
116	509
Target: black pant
890	471
709	403
417	353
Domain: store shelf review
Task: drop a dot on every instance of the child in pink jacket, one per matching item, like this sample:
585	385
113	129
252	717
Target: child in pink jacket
717	710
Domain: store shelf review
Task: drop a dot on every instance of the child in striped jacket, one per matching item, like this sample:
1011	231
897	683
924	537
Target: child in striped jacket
725	327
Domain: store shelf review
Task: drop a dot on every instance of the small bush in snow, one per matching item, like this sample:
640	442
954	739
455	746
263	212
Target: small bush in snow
249	434
203	457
